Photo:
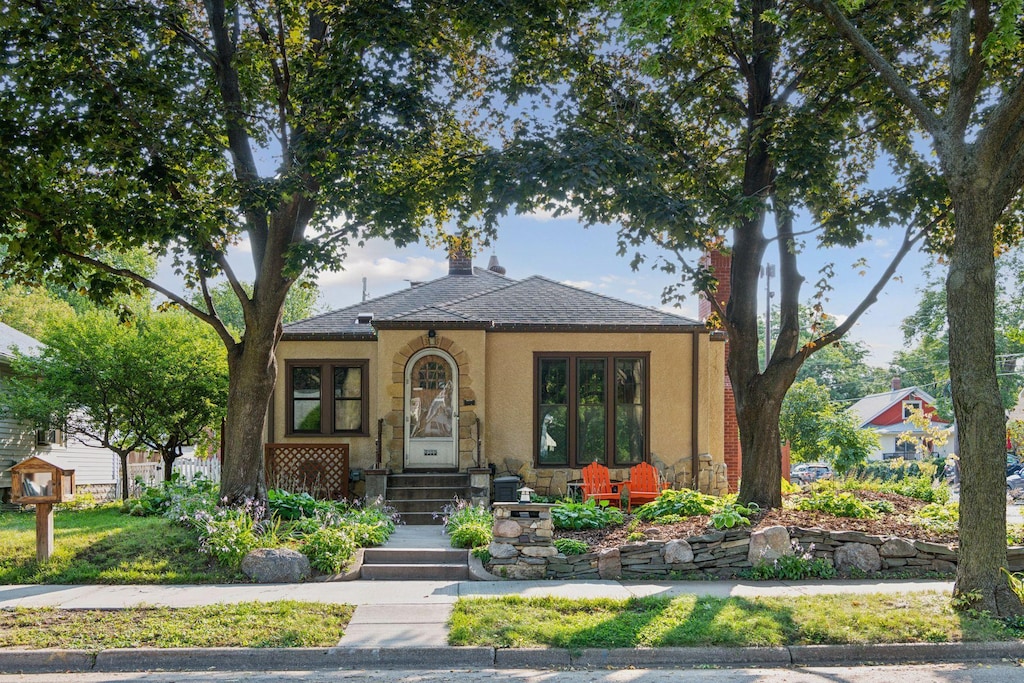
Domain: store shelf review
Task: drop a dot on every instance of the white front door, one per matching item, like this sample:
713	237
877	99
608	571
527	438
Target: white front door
431	411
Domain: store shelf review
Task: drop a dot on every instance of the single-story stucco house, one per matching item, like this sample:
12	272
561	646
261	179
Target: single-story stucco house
480	375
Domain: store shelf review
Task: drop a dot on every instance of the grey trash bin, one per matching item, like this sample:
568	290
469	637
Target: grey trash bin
506	489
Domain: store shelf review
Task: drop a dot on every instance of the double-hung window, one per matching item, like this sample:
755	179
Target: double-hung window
591	407
328	397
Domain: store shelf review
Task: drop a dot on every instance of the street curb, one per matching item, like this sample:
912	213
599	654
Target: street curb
905	653
294	659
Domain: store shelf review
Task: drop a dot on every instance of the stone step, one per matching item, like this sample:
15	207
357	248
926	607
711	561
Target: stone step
428	493
380	556
413	572
420	505
418	479
421	518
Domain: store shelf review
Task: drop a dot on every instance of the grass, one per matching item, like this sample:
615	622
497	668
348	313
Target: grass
101	545
273	624
731	622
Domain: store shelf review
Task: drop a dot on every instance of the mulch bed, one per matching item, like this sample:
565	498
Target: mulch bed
897	523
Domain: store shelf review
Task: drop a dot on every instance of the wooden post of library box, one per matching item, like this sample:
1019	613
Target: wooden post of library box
41	482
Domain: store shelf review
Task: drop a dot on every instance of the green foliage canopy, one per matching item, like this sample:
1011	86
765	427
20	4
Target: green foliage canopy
819	430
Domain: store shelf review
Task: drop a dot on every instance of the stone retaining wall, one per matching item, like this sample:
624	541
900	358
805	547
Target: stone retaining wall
728	553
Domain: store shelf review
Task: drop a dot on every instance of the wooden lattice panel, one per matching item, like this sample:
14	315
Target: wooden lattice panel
321	470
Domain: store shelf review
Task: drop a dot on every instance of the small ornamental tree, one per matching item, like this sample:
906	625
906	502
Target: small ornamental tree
158	381
819	430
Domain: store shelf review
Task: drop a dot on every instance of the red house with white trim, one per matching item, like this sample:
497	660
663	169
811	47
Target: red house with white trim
887	414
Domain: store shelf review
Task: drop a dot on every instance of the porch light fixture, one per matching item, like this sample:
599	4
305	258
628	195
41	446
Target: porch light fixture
432	337
525	494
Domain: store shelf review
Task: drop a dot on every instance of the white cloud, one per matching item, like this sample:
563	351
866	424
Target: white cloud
544	215
384	269
581	284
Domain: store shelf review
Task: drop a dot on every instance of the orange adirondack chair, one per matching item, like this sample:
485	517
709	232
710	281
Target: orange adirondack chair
597	484
644	484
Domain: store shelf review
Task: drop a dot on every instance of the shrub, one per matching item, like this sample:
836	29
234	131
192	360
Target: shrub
292	506
229	535
682	502
826	498
920	487
668	519
329	548
370	525
472	534
636	537
570	514
1015	534
178	499
942	518
571	546
468	525
799	565
729	515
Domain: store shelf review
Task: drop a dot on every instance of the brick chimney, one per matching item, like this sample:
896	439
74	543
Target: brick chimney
897	384
722	266
461	262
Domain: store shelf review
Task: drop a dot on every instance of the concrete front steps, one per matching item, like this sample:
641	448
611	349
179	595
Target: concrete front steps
410	564
421	498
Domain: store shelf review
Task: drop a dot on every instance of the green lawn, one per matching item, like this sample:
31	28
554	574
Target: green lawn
732	622
274	624
101	545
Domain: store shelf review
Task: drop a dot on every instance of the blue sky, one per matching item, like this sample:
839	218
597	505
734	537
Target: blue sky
563	250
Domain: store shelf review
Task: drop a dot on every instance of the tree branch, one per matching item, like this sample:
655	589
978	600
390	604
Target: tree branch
910	238
885	70
210	320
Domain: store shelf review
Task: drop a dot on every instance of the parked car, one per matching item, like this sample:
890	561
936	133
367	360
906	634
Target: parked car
808	472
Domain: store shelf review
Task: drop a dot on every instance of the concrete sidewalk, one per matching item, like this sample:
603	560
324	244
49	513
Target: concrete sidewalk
402	624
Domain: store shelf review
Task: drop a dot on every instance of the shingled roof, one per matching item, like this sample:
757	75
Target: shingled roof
486	300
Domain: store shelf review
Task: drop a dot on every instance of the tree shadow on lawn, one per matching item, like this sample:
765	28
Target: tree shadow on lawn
145	551
687	621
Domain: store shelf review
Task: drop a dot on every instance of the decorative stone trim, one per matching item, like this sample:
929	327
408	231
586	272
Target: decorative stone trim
394	420
721	554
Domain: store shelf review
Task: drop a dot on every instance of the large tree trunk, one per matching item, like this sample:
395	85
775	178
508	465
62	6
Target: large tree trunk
252	370
757	413
970	298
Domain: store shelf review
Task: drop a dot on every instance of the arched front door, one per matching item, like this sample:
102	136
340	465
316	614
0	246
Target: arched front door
431	411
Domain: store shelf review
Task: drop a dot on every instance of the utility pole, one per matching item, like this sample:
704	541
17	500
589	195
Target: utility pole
365	295
769	272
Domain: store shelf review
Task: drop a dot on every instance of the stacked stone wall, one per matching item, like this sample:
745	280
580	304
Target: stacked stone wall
731	553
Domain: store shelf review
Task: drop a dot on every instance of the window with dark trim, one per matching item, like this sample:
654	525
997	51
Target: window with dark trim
328	397
590	407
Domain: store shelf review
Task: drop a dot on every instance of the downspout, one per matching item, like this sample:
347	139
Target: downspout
379	445
478	441
694	413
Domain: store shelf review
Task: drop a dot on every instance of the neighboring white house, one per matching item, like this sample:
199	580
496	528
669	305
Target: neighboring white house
887	414
95	468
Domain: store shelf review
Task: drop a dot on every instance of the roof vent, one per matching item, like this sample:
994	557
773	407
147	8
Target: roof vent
494	266
364	318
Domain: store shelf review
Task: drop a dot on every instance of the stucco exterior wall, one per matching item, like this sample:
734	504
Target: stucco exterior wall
362	450
496	385
509	428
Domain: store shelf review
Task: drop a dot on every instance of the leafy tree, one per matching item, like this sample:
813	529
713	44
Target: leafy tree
186	128
159	381
78	383
32	310
695	123
303	301
962	85
179	401
817	429
926	363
